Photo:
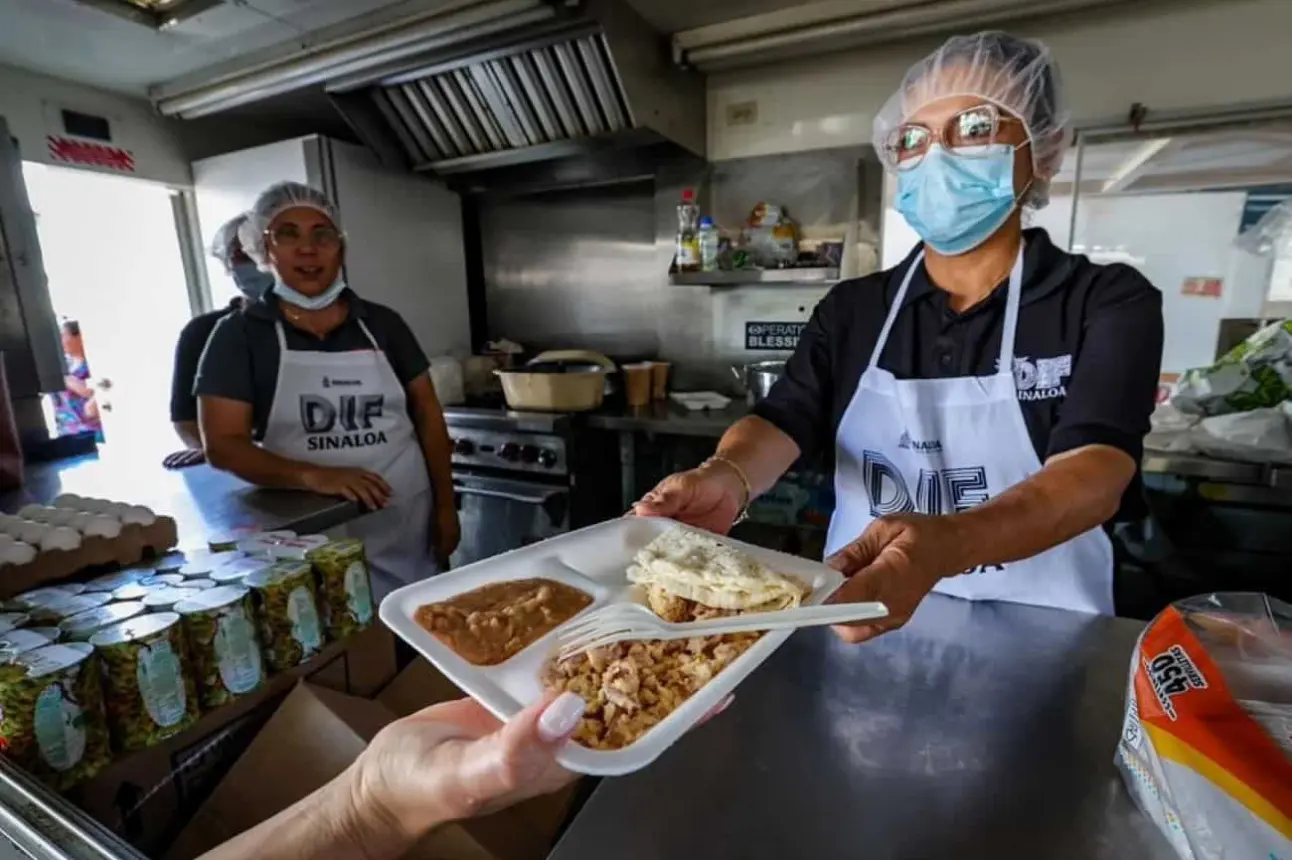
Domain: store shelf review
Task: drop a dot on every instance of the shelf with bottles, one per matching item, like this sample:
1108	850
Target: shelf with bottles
768	250
806	276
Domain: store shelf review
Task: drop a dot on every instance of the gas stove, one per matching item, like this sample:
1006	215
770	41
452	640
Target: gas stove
495	439
516	474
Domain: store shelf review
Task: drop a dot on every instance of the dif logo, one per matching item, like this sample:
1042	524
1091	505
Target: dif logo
347	413
936	491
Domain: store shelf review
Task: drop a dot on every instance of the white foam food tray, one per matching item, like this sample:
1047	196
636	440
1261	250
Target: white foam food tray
601	555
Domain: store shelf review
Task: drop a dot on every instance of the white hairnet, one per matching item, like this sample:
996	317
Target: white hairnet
247	239
1017	75
275	200
227	239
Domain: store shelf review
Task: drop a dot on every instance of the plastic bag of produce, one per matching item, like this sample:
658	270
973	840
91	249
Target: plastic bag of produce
1253	375
1270	236
1258	436
1206	746
1170	430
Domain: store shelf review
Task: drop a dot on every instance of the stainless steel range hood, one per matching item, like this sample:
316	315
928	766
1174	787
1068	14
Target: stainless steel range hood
593	77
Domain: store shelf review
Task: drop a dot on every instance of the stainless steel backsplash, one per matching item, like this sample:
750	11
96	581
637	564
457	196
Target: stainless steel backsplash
589	268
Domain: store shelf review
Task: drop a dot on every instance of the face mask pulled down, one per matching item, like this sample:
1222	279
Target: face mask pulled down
956	202
309	303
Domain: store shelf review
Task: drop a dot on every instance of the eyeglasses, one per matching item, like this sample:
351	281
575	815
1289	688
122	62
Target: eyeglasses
964	135
289	236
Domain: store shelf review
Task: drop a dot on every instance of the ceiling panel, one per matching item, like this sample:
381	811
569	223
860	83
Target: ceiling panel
1207	159
80	43
671	16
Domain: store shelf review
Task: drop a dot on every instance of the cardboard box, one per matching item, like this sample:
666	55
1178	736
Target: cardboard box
363	667
418	686
148	796
312	738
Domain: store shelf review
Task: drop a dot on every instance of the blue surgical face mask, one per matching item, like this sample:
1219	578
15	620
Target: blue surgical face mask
250	280
956	202
309	303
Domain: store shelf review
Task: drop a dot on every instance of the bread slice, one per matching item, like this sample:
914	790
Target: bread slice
695	566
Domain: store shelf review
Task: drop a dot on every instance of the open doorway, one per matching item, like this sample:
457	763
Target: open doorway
116	274
1172	201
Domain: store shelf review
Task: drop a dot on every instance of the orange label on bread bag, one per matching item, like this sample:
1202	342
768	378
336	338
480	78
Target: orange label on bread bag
1185	705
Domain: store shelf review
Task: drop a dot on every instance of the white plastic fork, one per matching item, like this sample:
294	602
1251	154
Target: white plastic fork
623	621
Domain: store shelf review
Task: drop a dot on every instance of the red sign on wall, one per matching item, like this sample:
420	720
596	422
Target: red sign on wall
1209	287
90	154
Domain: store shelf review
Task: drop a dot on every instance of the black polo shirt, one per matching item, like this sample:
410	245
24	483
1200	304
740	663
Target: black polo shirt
188	352
241	357
1086	355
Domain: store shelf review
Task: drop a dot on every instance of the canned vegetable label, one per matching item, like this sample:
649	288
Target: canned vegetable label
236	652
59	727
160	683
358	592
303	613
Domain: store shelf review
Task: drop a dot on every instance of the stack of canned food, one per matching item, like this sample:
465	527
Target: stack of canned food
124	661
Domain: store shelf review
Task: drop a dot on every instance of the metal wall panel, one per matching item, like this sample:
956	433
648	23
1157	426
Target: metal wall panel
589	268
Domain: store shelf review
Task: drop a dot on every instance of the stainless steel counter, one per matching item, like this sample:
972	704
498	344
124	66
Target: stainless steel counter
665	417
202	500
980	731
1212	469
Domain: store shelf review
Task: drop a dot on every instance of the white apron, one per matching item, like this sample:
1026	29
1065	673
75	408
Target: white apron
938	446
350	409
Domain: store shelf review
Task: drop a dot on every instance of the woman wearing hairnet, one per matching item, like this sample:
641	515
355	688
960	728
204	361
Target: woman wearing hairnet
313	387
251	283
986	399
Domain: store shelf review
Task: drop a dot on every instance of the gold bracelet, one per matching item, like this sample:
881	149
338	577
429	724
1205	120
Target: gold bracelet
744	482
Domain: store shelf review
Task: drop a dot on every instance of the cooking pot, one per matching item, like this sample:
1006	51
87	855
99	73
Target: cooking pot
554	386
758	377
581	357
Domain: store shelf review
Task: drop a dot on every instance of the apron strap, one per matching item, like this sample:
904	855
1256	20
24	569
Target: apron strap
372	340
1014	297
282	336
1005	361
896	309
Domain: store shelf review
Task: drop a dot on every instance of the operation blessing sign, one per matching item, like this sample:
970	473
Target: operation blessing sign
773	335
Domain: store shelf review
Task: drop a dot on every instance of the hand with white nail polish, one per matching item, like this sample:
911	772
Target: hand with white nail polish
455	760
450	761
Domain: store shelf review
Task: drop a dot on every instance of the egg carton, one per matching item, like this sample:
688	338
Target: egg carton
130	545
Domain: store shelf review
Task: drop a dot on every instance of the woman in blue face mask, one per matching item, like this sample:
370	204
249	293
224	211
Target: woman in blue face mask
986	399
227	247
311	386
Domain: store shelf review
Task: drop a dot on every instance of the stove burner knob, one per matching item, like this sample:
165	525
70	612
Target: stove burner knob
464	447
528	454
547	458
510	452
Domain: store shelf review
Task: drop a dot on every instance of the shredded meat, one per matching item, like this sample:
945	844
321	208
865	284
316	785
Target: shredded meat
631	686
620	684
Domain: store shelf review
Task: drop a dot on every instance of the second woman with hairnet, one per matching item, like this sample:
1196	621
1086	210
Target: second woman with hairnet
251	283
312	387
986	400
